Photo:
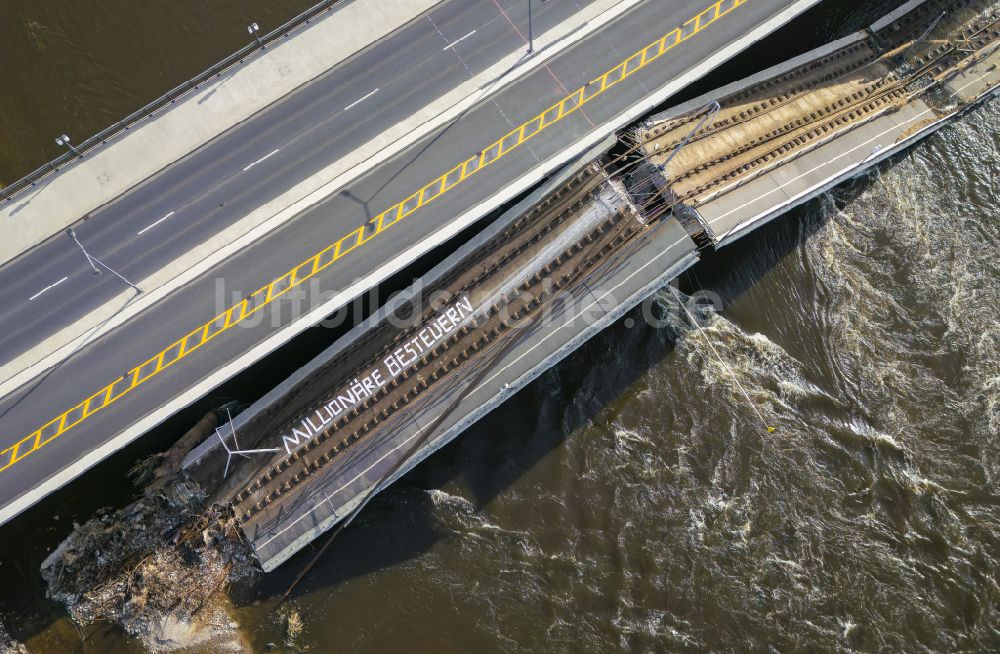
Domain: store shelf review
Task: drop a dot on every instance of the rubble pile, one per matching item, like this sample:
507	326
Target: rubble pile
158	568
8	645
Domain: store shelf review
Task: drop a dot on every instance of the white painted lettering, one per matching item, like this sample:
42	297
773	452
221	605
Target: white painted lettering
402	358
294	439
392	364
348	400
425	338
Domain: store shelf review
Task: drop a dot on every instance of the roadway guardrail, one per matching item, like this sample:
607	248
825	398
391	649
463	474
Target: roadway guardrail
283	31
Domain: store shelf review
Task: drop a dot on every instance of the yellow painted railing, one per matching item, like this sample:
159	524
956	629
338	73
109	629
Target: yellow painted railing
361	235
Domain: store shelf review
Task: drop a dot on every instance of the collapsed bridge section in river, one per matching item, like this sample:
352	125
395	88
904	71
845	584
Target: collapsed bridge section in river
575	255
546	276
773	141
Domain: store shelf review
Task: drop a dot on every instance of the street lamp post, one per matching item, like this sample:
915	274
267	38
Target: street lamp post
253	28
94	260
64	140
531	34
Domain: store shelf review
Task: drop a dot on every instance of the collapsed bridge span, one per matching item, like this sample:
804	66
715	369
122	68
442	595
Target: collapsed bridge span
576	254
552	272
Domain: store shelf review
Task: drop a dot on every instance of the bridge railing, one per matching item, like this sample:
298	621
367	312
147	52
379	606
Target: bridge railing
283	31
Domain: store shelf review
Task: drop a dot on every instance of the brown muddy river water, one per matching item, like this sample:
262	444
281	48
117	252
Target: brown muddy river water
629	499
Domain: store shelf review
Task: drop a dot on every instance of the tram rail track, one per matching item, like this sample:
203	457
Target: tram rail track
729	164
452	353
466	347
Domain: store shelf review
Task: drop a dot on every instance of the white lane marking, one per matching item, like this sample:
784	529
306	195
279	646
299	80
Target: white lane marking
269	154
47	288
152	225
224	372
457	41
360	100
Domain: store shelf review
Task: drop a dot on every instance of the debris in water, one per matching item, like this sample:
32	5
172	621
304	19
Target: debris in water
159	568
294	625
8	645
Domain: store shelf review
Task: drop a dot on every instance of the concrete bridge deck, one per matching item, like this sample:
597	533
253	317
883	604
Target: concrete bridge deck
793	131
577	248
114	389
355	419
260	174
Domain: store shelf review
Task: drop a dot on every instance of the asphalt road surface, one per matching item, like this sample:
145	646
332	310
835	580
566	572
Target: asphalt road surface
103	361
199	196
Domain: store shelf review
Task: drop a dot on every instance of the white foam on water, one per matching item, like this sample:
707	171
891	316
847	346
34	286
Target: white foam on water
443	498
